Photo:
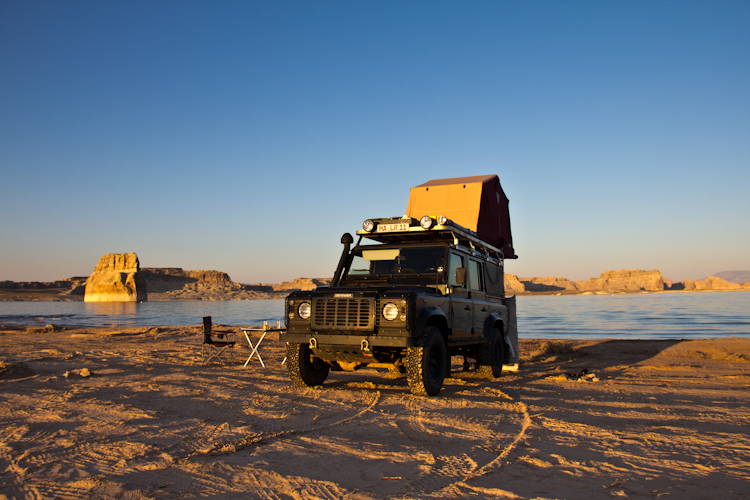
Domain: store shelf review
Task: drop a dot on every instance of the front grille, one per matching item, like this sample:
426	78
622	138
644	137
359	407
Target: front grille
343	313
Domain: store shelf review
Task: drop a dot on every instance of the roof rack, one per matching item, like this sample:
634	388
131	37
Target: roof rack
408	229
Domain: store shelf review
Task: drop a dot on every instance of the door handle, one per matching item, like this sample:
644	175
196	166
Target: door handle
467	308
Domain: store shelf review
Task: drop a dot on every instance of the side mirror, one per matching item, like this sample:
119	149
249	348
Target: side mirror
461	276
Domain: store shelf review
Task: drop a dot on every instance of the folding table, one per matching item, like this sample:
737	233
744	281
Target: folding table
254	347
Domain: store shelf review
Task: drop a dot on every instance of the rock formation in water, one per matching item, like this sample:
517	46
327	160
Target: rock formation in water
69	286
173	283
167	279
609	282
117	278
513	285
710	283
304	284
548	284
177	284
624	280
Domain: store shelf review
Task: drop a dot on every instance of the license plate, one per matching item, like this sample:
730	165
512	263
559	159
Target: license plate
387	228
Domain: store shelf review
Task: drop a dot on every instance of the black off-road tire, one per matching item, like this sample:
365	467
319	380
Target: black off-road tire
426	363
490	356
305	370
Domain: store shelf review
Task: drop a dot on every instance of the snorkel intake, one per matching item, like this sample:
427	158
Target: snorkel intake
347	241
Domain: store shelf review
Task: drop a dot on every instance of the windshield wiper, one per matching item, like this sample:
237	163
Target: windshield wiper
406	270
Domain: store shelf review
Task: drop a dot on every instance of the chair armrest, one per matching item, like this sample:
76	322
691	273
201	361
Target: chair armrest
222	333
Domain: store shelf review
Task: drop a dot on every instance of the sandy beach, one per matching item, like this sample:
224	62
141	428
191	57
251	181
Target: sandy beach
649	419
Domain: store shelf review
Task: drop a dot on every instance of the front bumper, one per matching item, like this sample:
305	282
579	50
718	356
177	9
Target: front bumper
341	340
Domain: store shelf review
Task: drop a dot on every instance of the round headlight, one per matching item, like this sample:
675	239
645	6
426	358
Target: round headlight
304	310
426	222
442	220
390	311
368	225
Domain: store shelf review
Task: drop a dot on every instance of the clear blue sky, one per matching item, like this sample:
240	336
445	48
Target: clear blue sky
248	136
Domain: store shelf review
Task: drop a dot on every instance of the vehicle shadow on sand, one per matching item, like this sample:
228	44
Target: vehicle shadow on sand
539	357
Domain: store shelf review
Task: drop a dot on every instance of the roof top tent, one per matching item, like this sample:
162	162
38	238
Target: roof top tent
477	203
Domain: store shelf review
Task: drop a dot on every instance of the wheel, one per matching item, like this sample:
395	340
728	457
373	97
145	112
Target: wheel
426	363
304	368
490	356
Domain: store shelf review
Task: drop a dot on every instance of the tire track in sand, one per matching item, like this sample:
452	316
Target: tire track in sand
450	472
497	462
317	424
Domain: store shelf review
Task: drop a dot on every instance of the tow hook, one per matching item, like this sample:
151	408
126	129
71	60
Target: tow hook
365	347
313	343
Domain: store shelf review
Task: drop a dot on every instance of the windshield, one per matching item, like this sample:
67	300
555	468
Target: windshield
419	262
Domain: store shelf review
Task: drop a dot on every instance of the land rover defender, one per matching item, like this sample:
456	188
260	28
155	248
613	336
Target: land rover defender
426	290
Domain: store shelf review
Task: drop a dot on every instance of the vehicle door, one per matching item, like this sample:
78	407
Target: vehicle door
476	289
461	306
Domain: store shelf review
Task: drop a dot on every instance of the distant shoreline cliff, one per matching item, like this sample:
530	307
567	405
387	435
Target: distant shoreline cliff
173	283
168	283
622	281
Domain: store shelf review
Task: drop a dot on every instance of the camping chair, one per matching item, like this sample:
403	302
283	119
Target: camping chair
216	350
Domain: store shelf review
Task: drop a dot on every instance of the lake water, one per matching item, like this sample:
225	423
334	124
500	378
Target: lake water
635	316
625	316
157	313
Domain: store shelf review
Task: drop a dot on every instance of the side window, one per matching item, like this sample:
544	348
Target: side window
456	261
475	280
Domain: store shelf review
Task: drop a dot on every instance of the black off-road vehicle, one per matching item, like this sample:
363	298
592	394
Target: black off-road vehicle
425	290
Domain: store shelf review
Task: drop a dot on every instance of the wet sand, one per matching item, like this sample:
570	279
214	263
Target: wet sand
652	419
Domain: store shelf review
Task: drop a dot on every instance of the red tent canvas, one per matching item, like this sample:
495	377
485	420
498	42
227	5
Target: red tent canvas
477	203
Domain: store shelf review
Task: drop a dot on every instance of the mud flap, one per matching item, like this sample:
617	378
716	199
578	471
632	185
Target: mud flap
512	338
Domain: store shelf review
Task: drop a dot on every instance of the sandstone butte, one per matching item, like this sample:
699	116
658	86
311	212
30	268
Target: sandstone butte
116	278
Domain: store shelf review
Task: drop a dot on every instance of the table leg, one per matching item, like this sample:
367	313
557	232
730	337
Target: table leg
255	348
